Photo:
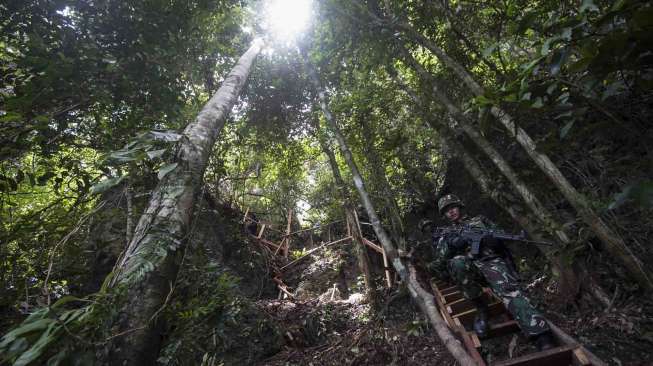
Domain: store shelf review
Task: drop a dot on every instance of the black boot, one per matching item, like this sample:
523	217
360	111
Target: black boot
480	321
544	341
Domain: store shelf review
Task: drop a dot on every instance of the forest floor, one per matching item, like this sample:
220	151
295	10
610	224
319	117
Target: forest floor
343	332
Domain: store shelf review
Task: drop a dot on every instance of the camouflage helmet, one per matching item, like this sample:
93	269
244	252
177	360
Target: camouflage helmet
448	201
424	224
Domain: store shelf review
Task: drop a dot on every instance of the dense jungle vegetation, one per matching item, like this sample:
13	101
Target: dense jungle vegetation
124	183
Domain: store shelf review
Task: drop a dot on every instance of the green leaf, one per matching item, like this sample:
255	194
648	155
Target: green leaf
106	184
11	117
153	154
169	136
23	330
64	300
126	156
490	50
551	88
166	169
37	349
558	61
539	103
565	130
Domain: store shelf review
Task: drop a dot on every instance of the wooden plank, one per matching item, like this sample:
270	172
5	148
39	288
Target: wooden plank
279	246
372	245
477	342
501	329
558	356
286	247
471	348
463	304
447	317
439	284
452	296
269	243
579	358
564	338
459	306
449	289
386	268
454	290
260	233
313	250
467	317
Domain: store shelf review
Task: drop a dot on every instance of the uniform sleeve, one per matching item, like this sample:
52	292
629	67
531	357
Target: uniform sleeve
443	252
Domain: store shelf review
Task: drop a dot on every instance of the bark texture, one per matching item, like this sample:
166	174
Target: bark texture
149	266
614	244
423	298
377	168
568	278
352	219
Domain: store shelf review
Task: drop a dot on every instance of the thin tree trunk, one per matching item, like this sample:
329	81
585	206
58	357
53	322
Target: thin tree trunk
613	243
149	267
378	170
423	299
520	186
352	220
568	279
129	227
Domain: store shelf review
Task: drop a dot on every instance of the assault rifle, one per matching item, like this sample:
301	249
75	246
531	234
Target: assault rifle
476	235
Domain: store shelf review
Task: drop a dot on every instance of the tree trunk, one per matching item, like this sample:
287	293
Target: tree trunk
352	221
423	299
568	279
148	269
378	170
613	243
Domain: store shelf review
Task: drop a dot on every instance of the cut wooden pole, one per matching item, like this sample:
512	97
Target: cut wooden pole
386	268
315	249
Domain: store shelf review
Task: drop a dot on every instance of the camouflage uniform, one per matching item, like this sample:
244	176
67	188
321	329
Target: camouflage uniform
488	267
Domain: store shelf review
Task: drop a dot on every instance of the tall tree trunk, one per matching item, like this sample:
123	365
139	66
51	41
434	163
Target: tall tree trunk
378	170
568	278
423	299
614	244
148	269
352	220
520	186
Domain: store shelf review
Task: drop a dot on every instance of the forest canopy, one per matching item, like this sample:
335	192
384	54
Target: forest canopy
121	122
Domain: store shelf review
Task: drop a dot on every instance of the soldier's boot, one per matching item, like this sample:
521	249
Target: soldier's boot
482	315
544	341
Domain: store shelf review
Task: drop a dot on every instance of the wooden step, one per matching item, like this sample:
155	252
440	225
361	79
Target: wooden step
448	289
501	329
451	297
467	317
558	356
463	304
579	358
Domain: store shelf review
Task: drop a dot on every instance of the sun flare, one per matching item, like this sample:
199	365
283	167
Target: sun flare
286	19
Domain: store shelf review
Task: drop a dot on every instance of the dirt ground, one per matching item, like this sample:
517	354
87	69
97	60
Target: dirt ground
344	333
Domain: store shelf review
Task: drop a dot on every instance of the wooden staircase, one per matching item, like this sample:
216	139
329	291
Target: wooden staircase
459	315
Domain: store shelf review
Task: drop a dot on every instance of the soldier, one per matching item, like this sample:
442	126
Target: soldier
493	266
